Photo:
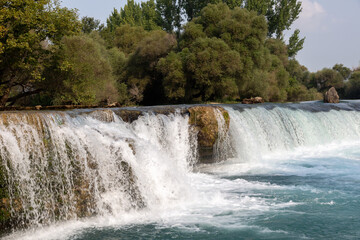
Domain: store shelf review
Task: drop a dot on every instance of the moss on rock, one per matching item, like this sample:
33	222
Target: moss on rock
204	121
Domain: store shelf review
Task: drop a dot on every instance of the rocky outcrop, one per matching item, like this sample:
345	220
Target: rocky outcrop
253	100
128	115
331	96
105	115
204	122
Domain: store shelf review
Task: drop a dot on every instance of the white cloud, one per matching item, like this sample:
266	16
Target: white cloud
311	17
311	9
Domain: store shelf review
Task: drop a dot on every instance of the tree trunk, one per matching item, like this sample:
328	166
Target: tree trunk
4	98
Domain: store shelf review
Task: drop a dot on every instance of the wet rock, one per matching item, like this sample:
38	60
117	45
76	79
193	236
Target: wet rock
129	182
331	96
128	115
253	100
204	122
104	115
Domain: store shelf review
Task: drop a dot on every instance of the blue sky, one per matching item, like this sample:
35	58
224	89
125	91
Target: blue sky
331	28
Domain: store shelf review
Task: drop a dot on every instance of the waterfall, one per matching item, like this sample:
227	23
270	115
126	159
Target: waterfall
222	149
66	165
259	131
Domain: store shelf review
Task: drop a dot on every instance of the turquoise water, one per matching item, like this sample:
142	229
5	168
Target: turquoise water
292	172
322	201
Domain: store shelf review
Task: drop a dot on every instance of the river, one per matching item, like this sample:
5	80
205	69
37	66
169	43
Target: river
291	172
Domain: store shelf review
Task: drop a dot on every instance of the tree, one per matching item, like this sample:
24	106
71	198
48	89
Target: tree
127	37
280	15
169	12
244	32
113	21
212	68
233	3
150	16
261	66
298	72
295	44
174	79
118	63
352	87
344	71
142	77
30	33
134	14
131	14
192	8
82	72
90	24
326	78
262	7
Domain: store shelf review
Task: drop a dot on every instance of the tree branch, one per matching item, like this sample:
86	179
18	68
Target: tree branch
12	100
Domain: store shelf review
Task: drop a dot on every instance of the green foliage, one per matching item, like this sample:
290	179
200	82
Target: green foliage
83	73
131	14
344	71
260	6
169	12
278	48
233	3
174	80
280	15
211	68
261	68
295	44
298	72
142	77
192	8
127	37
192	31
326	78
224	52
149	15
134	14
298	92
352	87
118	63
113	21
244	32
29	33
90	24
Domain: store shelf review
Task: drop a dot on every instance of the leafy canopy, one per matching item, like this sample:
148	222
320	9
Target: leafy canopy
30	32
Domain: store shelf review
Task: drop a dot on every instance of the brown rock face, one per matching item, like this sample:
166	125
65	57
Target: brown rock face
331	96
105	115
204	122
253	100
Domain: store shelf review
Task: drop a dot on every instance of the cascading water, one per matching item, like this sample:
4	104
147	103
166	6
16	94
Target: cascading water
62	166
222	148
281	171
257	132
